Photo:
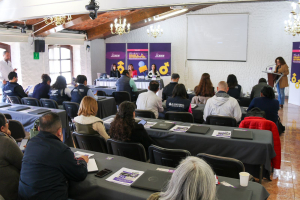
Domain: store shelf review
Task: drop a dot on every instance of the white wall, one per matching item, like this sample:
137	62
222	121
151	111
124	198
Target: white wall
266	41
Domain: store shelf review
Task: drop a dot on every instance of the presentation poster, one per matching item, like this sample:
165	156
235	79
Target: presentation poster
115	53
294	93
137	55
160	55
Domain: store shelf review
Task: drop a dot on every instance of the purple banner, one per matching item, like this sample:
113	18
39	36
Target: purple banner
115	53
160	55
295	70
137	55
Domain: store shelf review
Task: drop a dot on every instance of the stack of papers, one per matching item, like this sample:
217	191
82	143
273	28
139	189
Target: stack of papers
108	121
125	176
193	105
92	166
224	134
149	124
178	128
77	154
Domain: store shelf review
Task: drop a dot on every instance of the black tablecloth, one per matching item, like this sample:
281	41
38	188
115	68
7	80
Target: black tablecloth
98	188
160	81
106	107
109	90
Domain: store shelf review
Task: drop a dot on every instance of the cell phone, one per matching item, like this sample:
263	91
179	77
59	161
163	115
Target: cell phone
143	122
103	173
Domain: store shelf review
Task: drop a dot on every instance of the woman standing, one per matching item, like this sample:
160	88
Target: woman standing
114	71
282	68
153	72
132	71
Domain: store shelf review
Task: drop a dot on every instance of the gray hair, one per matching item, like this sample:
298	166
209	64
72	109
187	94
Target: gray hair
192	180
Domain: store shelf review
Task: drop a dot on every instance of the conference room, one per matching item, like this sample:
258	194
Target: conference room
149	99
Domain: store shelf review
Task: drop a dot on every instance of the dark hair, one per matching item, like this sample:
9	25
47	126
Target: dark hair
268	92
12	75
205	87
179	90
281	60
232	81
60	83
125	72
262	80
153	86
81	78
46	78
131	65
2	120
175	76
4	52
123	124
112	66
50	122
155	67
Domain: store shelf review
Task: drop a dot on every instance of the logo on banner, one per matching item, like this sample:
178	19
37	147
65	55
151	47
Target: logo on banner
296	58
137	56
294	79
115	55
160	55
164	69
120	67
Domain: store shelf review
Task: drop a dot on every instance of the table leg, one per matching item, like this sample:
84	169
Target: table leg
261	173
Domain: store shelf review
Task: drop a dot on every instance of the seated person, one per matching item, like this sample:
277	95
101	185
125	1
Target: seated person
125	83
59	91
48	164
41	90
168	89
149	100
178	102
10	162
86	121
124	128
81	90
267	103
153	72
205	87
12	88
193	179
132	71
222	104
114	71
235	90
257	88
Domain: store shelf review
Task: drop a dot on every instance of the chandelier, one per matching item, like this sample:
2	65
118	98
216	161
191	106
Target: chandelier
58	20
155	31
120	28
292	26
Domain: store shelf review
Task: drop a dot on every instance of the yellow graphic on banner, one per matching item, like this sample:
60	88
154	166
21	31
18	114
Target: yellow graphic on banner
135	55
163	70
121	67
297	85
294	78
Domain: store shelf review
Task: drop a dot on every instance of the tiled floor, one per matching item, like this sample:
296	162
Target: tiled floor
285	182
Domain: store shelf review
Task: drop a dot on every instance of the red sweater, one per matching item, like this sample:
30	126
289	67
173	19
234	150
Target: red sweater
263	124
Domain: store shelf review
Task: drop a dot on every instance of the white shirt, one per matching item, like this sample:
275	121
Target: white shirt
5	69
149	101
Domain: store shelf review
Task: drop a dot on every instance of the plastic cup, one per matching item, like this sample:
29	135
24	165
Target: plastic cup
244	179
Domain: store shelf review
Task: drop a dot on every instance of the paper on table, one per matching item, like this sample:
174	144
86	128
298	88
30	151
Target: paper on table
218	133
193	105
149	124
125	176
178	128
108	121
92	166
27	111
80	153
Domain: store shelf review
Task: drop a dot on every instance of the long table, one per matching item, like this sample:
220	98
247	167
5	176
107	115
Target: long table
140	83
256	153
106	107
110	90
98	188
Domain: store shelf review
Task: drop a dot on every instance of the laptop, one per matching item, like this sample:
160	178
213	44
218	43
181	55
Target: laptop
152	180
242	134
39	111
224	193
198	129
4	105
163	126
19	108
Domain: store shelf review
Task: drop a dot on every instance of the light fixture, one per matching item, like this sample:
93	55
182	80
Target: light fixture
292	26
58	20
169	14
120	28
155	31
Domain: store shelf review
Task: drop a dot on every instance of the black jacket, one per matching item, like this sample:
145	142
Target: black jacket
115	73
168	90
47	166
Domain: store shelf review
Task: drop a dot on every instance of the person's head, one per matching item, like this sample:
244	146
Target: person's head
222	86
130	67
114	66
175	77
3	123
6	56
50	122
126	73
60	83
268	92
153	86
88	106
123	123
262	80
280	61
192	180
46	79
13	77
153	67
232	81
205	87
81	79
179	90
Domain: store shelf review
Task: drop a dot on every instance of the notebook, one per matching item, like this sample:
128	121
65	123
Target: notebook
242	134
19	108
39	111
226	193
4	105
152	180
163	126
198	129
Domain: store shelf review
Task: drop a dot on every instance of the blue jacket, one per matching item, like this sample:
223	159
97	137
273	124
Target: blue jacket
78	93
47	166
41	90
178	104
58	95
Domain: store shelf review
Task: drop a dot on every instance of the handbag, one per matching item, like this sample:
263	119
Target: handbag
281	128
34	131
256	112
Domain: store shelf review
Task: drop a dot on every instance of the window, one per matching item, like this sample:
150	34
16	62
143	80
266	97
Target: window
61	62
3	47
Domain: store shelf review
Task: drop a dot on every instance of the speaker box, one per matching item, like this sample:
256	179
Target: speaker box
39	46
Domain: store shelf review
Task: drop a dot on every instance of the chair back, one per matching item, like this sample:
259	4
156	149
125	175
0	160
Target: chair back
135	151
16	129
71	108
8	116
223	166
121	97
145	114
30	101
101	93
14	99
167	157
179	116
91	142
221	120
49	103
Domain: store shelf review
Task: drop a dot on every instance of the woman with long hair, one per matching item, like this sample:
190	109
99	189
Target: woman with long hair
153	71
114	71
41	90
178	102
235	90
59	91
282	68
205	87
132	71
